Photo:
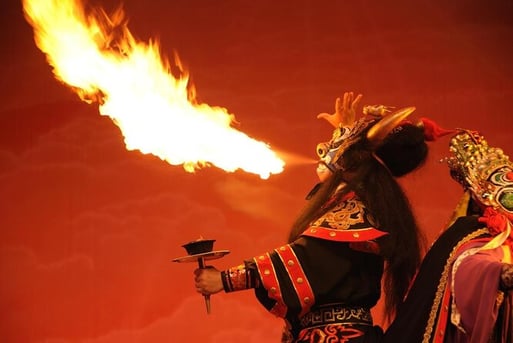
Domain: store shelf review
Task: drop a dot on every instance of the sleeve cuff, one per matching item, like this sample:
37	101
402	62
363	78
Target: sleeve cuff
238	278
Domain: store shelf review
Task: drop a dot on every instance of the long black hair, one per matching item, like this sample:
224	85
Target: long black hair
373	179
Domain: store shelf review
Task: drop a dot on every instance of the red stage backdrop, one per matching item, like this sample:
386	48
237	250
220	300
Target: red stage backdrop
89	229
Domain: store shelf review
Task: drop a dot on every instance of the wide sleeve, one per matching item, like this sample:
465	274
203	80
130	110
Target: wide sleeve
296	276
330	262
476	295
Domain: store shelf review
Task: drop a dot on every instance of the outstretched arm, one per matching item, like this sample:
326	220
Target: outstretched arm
210	280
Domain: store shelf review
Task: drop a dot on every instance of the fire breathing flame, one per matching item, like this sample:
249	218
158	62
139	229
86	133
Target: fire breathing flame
156	111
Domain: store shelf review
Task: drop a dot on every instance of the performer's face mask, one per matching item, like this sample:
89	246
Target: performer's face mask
485	171
374	126
331	154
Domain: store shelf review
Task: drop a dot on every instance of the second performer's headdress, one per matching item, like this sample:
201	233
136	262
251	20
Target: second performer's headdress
486	172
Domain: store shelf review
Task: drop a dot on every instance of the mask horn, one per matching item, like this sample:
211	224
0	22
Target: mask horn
378	132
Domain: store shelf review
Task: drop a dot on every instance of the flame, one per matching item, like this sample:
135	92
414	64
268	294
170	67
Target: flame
157	112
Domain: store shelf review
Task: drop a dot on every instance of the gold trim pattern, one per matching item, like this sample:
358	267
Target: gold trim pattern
336	314
343	215
443	283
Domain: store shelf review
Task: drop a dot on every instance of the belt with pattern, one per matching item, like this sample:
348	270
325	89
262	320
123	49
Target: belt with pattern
336	313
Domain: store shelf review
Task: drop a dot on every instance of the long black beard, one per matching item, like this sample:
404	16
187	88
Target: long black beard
317	198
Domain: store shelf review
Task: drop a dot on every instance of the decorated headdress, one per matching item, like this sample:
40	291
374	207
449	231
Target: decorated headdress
486	172
378	122
374	127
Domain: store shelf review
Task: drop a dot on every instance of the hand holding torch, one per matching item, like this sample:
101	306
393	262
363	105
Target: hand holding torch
201	250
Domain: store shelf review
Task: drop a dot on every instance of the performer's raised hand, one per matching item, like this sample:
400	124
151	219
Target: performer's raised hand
345	110
208	280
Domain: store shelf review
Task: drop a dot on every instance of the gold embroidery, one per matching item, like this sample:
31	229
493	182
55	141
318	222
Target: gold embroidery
343	215
499	299
443	282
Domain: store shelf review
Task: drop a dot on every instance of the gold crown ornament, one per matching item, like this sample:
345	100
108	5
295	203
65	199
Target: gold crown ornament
486	172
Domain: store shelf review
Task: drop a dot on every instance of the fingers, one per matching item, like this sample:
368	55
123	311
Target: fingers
204	280
198	277
350	102
348	97
354	105
323	115
330	118
338	105
198	281
345	110
356	102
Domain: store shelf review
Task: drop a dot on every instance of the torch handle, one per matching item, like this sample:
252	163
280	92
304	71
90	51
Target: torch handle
201	264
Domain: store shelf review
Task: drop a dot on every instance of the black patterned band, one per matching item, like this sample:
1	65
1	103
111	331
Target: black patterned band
238	278
336	313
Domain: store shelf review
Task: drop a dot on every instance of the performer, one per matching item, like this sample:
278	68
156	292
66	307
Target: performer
357	222
463	291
